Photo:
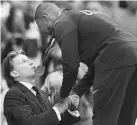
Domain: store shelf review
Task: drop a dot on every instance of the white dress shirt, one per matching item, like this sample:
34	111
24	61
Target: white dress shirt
73	113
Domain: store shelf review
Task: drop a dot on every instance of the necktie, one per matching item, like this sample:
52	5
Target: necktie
38	95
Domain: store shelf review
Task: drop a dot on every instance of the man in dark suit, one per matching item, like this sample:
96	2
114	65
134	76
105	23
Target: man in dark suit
110	54
26	104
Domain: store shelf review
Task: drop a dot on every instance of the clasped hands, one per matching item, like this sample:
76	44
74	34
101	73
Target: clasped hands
71	103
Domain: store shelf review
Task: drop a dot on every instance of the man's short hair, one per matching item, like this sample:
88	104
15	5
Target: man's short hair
7	66
37	12
43	9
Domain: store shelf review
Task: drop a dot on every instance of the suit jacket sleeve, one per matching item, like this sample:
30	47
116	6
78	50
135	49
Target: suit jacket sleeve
68	119
16	107
66	35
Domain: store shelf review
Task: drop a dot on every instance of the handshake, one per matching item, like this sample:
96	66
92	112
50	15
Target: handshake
52	87
71	103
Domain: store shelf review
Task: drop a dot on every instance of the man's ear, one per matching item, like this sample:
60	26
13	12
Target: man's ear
14	74
46	17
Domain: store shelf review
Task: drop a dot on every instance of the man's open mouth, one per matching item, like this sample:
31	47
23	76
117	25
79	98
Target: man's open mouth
34	67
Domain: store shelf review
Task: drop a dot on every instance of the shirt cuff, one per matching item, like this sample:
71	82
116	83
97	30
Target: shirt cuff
74	113
57	113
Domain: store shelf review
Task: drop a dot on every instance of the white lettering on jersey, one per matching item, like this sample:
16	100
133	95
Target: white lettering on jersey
88	12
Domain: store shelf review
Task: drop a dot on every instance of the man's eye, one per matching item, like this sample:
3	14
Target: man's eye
24	61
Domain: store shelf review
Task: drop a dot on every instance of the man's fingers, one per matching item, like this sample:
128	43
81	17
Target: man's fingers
74	99
74	96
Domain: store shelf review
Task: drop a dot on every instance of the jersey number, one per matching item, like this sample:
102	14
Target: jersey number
87	12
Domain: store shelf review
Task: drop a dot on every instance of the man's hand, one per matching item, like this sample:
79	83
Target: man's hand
57	98
62	105
74	99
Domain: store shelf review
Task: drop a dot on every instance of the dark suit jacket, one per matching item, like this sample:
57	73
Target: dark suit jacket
21	107
94	39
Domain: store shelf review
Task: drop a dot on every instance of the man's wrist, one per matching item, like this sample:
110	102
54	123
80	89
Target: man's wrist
57	98
73	92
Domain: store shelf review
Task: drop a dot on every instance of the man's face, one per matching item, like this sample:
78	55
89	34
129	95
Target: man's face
23	66
44	25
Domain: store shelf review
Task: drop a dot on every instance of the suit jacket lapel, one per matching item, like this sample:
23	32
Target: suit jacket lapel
29	94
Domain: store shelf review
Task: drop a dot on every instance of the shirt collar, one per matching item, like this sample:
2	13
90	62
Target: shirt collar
26	84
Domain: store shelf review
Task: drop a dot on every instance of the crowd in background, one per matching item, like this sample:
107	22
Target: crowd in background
19	31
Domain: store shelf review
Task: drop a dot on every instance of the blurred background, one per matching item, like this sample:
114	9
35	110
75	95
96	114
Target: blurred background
19	31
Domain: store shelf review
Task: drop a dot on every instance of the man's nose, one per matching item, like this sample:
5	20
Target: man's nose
30	62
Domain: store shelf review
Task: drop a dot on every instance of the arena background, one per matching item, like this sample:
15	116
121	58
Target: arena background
19	31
